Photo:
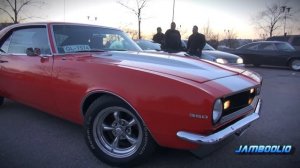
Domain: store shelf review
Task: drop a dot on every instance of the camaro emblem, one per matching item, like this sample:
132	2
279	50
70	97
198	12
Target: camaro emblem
199	116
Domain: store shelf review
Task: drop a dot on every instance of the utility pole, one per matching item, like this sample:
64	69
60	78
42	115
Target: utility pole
139	22
173	10
64	10
227	38
286	10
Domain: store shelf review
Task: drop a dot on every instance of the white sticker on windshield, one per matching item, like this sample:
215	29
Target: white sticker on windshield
75	48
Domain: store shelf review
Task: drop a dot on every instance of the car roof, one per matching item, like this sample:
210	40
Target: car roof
259	42
287	36
264	42
57	23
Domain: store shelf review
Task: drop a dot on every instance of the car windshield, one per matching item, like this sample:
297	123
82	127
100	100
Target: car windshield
75	38
208	47
284	47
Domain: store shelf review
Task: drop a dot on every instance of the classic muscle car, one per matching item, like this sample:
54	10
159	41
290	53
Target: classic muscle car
127	100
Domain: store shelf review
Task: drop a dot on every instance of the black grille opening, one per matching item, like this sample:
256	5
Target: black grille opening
239	101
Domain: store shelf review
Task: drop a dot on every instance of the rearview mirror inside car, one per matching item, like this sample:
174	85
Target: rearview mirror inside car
33	52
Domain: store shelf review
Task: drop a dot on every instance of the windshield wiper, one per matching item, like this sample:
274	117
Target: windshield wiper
117	50
94	50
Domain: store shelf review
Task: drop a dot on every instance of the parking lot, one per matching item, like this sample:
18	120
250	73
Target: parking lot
33	139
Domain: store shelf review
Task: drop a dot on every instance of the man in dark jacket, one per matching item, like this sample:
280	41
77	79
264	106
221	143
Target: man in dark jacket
159	37
196	43
172	39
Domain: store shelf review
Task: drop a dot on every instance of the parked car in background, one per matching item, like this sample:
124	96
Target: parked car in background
275	53
127	100
208	53
294	40
211	54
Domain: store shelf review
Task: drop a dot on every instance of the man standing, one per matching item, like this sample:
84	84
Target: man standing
172	39
159	37
196	43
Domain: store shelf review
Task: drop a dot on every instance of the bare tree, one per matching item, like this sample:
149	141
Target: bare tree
230	38
207	31
132	33
184	32
270	19
211	37
13	8
214	40
140	4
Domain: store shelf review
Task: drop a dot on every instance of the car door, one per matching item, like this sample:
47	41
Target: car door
284	52
26	67
267	53
249	53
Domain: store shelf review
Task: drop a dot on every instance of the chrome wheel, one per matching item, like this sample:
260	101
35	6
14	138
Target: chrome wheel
295	65
117	132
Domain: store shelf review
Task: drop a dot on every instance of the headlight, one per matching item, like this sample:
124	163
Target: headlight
217	111
221	61
239	61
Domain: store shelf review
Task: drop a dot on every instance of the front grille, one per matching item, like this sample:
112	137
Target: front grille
239	101
232	60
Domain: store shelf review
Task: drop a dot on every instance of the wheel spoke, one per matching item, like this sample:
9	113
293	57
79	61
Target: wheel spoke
131	140
131	123
115	143
106	127
116	116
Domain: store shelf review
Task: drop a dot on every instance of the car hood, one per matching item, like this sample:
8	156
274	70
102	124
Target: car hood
184	67
220	54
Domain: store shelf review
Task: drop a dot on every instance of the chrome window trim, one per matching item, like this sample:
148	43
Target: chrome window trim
27	27
75	24
22	54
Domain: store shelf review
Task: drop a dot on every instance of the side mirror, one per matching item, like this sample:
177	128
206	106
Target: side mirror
33	52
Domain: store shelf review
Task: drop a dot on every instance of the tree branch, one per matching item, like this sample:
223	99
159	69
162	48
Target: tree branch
24	4
133	10
143	4
4	10
8	7
12	7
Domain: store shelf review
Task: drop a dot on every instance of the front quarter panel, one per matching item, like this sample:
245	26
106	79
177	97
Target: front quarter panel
164	102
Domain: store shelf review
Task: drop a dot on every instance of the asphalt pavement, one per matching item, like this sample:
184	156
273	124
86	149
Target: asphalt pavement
30	138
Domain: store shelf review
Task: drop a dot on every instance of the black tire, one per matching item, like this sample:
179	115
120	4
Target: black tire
294	64
1	100
107	121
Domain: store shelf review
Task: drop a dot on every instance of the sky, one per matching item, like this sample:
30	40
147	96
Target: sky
233	15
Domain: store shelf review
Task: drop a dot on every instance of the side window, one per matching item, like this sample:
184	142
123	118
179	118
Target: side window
22	39
252	47
268	47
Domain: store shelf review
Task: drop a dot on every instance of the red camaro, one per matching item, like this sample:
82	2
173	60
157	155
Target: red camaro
128	101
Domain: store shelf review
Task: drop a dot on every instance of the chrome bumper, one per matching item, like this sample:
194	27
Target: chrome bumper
222	134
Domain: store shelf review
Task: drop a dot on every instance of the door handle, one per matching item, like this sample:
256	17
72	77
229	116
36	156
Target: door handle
2	61
44	59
